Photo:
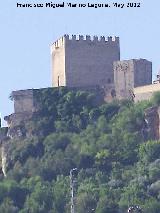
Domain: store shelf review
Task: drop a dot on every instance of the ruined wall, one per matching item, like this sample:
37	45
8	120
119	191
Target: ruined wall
88	62
26	105
23	100
129	74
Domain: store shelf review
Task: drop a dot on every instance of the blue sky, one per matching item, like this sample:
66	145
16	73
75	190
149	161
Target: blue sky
27	33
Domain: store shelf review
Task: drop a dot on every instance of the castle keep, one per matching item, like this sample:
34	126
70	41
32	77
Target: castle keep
84	62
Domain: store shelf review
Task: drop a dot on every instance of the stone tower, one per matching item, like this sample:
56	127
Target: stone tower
129	74
84	62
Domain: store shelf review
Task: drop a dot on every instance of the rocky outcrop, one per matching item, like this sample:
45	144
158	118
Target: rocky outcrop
4	160
16	124
3	153
152	120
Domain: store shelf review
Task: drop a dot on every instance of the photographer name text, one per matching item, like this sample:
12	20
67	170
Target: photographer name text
80	5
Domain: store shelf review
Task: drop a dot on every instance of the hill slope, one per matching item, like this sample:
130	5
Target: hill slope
118	164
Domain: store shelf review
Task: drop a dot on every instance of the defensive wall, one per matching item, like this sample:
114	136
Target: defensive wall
25	106
29	103
23	100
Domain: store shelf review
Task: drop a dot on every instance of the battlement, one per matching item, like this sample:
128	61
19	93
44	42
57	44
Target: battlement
92	38
59	43
87	39
79	60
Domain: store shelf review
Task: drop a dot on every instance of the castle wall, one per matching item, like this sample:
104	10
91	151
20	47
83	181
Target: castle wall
129	74
58	63
88	62
142	72
145	92
123	78
23	101
24	107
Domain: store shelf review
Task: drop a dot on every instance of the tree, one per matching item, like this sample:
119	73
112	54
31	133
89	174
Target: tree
40	200
61	193
106	205
152	206
149	151
86	203
8	206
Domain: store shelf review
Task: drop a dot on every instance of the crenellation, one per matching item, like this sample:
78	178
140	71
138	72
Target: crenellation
93	39
74	38
88	38
102	39
57	44
109	39
66	36
81	37
115	39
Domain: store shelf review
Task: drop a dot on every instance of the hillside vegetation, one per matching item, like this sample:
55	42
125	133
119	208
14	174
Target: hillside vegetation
118	164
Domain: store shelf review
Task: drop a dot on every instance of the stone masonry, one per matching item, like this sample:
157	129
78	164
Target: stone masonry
88	62
84	62
25	106
23	100
129	74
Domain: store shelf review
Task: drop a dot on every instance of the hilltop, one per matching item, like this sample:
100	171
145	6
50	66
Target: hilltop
110	143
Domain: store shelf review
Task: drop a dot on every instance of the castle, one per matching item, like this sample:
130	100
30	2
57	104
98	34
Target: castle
88	62
91	64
